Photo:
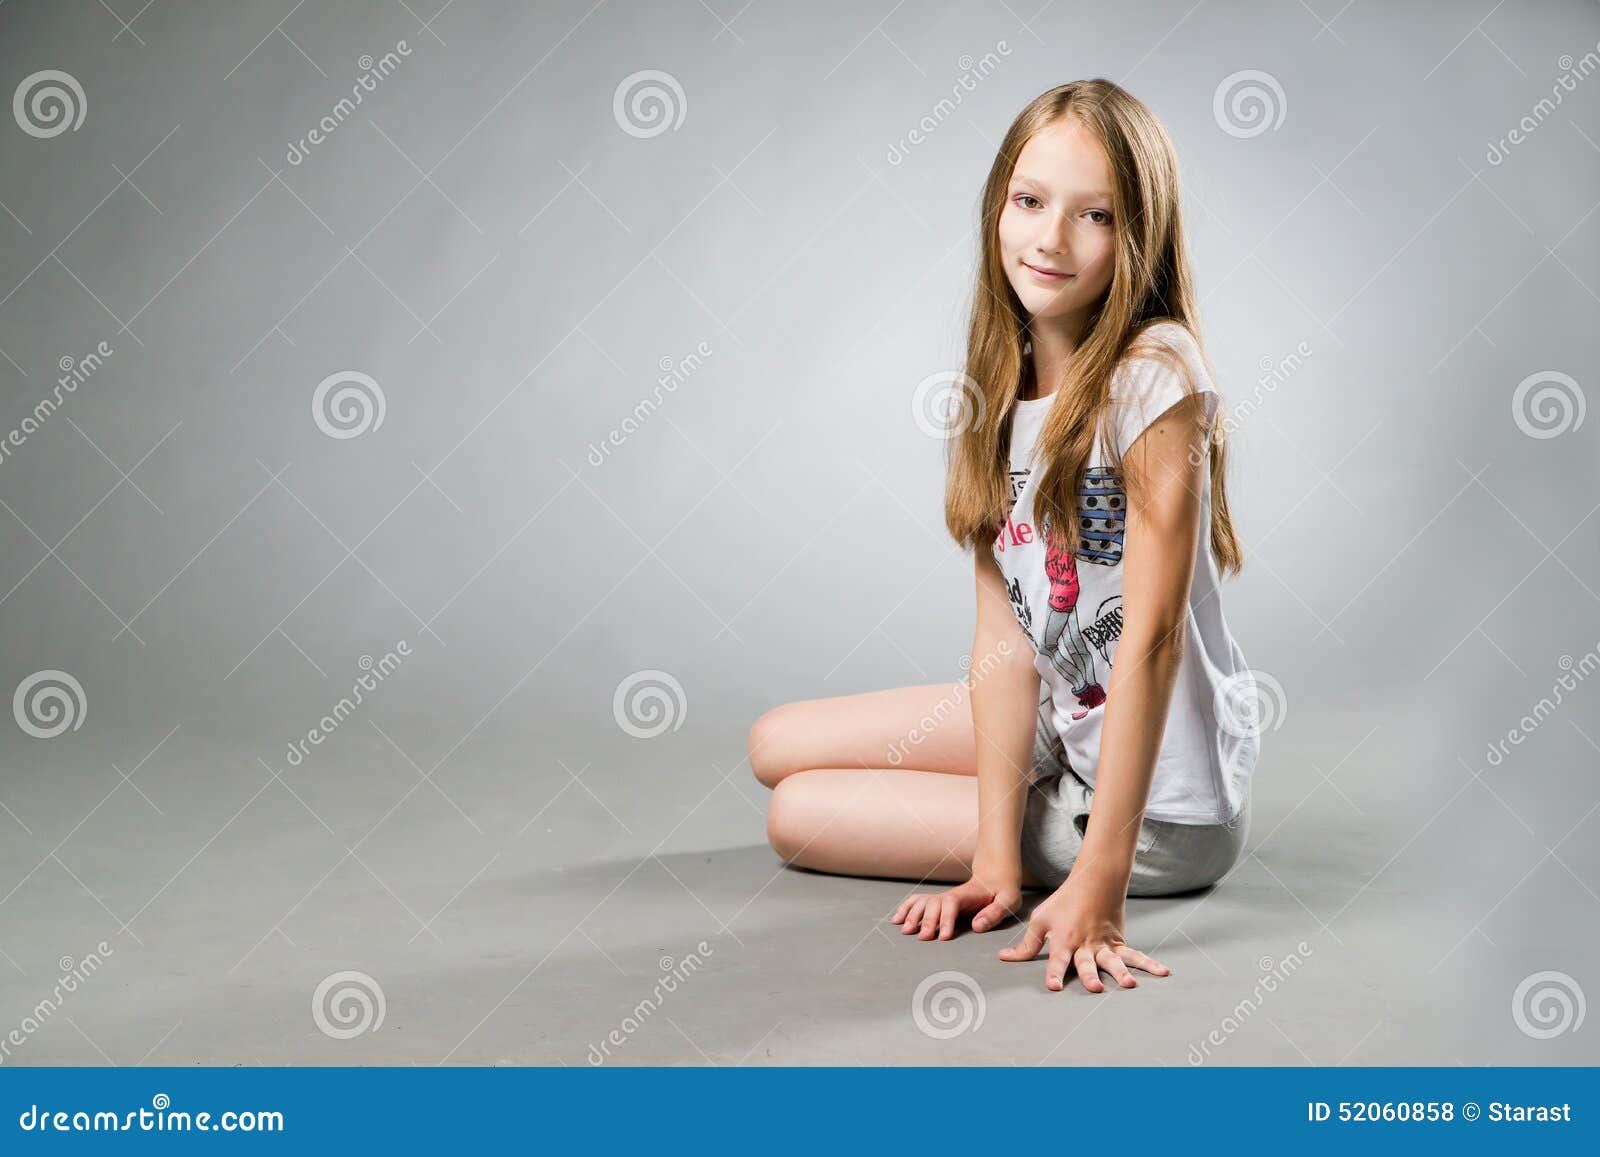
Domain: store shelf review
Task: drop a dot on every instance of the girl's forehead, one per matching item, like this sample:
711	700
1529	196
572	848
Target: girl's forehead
1064	157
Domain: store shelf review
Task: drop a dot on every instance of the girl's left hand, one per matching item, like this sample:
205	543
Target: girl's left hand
1084	926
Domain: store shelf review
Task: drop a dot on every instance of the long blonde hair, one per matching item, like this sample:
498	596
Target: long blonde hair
1150	284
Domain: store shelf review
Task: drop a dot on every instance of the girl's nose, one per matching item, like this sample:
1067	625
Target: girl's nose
1054	239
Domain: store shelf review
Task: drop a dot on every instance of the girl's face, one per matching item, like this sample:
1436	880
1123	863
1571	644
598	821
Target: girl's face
1057	236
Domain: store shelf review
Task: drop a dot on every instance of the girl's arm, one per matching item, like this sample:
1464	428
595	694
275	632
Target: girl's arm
1005	712
1157	569
1004	686
1084	918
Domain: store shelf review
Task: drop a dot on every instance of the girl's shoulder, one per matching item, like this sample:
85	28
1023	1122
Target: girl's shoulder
1161	352
1163	337
1161	365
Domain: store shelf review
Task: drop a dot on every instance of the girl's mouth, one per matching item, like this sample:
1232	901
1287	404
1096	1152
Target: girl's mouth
1046	274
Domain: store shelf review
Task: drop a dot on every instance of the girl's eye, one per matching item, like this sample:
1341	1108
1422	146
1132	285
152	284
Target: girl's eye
1103	214
1020	197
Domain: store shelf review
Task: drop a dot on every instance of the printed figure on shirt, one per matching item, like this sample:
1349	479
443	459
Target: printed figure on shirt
1063	638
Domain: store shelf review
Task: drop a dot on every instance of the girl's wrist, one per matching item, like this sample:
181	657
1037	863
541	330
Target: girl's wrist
1105	870
997	868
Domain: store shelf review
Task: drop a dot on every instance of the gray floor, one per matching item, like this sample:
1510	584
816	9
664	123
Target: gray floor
1349	935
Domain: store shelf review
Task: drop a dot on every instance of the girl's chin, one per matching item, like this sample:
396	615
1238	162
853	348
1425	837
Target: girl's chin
1043	305
1031	292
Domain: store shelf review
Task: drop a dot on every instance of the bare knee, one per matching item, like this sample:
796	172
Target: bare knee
771	758
791	818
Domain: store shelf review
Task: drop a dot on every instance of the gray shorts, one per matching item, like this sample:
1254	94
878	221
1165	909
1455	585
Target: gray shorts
1168	857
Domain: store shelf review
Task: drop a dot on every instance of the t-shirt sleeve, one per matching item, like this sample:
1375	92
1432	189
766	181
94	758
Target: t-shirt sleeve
1145	386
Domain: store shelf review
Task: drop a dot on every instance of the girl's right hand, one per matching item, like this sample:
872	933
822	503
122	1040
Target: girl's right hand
935	913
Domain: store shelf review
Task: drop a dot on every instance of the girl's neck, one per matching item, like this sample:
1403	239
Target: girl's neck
1053	345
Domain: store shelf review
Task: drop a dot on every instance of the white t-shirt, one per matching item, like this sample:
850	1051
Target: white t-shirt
1071	608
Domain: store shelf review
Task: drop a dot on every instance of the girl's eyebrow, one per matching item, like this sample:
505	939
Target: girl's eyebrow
1093	195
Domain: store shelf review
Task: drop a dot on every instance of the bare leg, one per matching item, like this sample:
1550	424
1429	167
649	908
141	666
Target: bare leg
878	784
887	822
926	727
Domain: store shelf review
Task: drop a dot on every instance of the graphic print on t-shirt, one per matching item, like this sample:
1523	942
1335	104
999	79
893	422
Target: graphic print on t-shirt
1102	516
1107	626
1080	654
1019	605
1062	639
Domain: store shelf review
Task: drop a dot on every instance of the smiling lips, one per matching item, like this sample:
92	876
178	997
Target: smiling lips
1050	274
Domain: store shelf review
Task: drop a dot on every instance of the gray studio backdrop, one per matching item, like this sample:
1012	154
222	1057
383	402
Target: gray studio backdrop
571	388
